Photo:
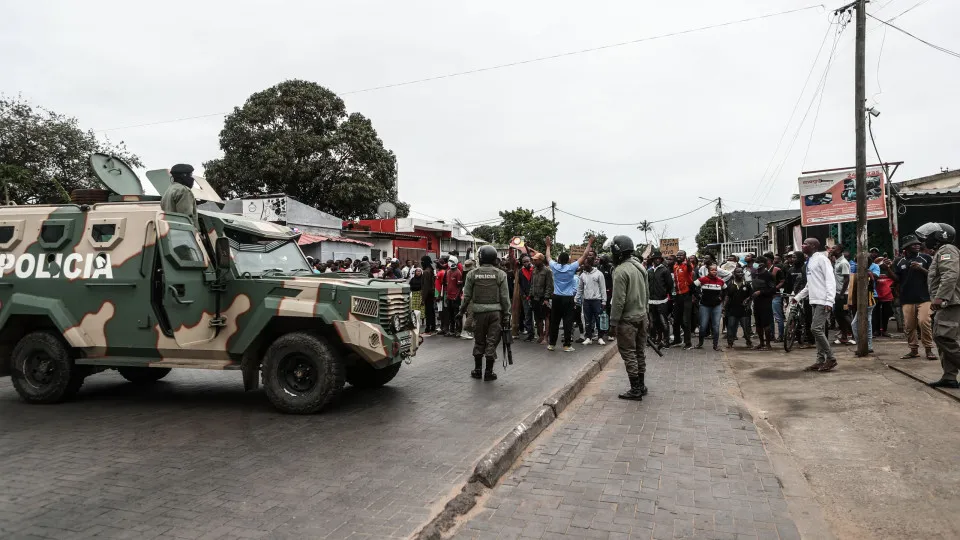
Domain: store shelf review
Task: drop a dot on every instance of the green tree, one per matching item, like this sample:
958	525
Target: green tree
599	239
45	155
708	234
490	233
297	138
523	222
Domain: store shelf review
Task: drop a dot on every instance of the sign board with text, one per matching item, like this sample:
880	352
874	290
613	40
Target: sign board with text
832	197
669	246
576	252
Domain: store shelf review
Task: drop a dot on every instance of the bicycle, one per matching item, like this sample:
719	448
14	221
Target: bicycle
794	326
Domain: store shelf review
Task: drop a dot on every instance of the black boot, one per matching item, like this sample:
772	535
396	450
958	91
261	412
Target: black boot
490	375
477	364
643	389
635	393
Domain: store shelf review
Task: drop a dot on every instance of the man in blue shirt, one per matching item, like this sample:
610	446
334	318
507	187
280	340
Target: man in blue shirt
564	291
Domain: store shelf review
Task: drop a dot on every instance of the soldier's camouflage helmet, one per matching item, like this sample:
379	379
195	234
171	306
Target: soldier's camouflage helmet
621	246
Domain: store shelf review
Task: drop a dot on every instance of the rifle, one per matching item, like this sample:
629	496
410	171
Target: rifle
507	338
653	346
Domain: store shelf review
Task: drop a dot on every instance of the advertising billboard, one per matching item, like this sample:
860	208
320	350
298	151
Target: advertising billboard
832	197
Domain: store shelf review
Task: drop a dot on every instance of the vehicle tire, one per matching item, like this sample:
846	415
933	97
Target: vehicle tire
363	375
43	369
143	375
301	373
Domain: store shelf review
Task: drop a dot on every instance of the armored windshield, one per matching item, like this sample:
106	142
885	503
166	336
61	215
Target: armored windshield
258	256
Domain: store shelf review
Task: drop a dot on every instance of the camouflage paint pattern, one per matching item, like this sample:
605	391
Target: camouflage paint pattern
109	294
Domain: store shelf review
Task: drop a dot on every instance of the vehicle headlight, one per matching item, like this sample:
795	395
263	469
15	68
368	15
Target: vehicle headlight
397	323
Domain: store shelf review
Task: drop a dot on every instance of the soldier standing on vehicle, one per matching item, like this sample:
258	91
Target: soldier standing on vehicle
486	290
945	295
179	198
628	314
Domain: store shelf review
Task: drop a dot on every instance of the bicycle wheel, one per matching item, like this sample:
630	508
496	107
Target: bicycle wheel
790	332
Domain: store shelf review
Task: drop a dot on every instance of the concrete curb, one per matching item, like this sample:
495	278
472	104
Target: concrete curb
495	463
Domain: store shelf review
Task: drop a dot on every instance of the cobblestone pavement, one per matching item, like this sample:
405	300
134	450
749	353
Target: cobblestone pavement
684	463
197	457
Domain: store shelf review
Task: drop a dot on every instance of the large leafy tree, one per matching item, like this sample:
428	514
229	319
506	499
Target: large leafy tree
297	138
45	155
708	234
520	222
599	239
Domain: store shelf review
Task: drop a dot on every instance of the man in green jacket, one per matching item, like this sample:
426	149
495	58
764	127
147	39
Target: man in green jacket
486	291
179	197
628	314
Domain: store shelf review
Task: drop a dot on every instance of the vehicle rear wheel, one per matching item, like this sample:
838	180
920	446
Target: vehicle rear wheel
43	369
301	373
143	375
363	375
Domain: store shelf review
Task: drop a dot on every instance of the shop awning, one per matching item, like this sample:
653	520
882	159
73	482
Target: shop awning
309	239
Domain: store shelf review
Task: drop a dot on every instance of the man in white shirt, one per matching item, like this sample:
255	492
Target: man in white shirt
822	291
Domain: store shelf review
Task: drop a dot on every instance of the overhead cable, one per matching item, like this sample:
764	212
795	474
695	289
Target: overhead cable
512	64
712	201
921	40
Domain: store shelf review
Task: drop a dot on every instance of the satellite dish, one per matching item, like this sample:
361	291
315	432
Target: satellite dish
387	210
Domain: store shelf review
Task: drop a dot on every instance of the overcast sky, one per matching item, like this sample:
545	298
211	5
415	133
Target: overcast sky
620	135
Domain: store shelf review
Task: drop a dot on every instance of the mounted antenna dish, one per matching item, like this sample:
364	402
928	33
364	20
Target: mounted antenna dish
387	210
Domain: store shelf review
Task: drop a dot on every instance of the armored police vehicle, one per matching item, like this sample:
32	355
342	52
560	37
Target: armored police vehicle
122	285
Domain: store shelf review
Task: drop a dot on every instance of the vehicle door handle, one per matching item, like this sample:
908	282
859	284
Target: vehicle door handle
177	292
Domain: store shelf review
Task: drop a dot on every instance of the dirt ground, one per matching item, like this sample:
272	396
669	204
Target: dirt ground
878	451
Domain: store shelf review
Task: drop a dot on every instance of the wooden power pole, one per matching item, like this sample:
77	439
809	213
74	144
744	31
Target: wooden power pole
860	95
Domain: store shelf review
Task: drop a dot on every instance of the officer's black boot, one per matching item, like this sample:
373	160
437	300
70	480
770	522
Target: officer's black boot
490	375
643	389
477	364
635	393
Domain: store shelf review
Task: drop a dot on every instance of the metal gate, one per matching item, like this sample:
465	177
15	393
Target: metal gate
757	246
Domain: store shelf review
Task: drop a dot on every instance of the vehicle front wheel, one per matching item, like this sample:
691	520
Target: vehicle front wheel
43	369
143	375
363	375
301	373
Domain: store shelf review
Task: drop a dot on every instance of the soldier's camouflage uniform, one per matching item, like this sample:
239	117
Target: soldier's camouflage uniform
943	283
486	291
180	199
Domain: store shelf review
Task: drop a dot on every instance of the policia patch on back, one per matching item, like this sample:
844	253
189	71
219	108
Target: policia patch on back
946	257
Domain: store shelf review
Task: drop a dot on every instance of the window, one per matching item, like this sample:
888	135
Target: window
6	233
184	246
103	232
256	255
51	234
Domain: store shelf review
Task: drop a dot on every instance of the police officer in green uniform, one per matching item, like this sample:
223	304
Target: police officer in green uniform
628	314
486	290
179	197
942	279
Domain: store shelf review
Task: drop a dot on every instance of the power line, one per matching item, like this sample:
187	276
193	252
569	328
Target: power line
496	219
796	105
908	10
514	64
823	91
712	201
817	93
921	40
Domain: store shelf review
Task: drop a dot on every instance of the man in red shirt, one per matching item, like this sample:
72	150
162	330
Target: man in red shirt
683	276
454	291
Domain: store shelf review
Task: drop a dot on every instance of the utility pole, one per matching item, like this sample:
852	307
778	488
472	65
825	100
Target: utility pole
553	212
860	95
723	224
758	224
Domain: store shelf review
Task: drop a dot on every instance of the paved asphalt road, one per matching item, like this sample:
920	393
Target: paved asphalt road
197	457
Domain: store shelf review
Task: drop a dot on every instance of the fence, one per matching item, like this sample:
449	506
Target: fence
757	246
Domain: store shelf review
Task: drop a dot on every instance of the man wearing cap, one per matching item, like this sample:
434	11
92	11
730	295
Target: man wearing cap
911	276
179	198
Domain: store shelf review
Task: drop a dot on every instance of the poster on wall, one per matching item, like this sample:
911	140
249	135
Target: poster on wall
832	197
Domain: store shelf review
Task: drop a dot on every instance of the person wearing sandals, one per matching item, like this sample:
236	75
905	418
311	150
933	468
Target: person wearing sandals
871	303
764	288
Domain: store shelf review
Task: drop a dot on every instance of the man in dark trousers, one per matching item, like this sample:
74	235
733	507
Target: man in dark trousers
429	295
628	315
944	282
486	290
683	276
661	284
541	293
564	291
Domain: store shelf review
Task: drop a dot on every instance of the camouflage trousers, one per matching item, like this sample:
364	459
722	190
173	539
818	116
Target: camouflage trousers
486	334
632	343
